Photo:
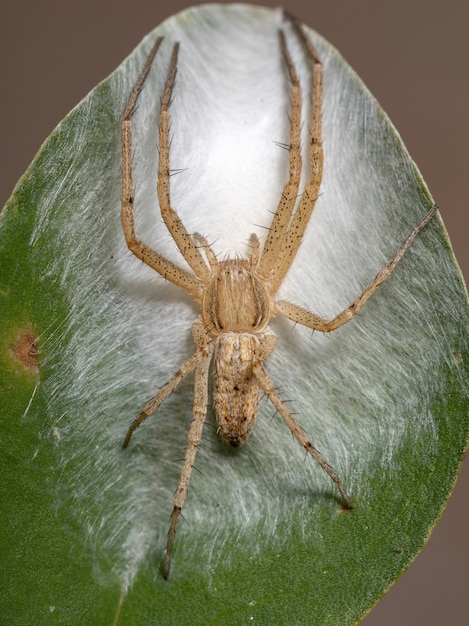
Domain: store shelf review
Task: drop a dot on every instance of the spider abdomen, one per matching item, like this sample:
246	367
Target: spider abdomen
236	391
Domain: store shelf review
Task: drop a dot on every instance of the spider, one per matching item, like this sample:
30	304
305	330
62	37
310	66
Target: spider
237	296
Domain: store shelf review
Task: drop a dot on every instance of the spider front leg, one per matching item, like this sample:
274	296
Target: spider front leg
289	195
300	219
302	316
166	268
287	229
184	241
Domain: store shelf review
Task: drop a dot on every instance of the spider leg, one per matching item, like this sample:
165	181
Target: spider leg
153	405
276	235
204	350
186	244
297	431
311	320
195	434
163	266
293	237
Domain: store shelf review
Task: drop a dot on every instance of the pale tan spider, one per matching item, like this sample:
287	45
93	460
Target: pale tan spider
237	296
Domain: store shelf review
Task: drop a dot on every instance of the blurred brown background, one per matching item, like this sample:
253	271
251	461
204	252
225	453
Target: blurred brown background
412	54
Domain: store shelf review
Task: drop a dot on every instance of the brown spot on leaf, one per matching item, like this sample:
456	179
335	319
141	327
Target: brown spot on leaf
24	351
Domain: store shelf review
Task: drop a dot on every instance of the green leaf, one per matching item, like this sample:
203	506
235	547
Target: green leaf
384	398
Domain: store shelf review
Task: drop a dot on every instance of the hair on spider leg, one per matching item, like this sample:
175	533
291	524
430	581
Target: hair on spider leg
282	389
172	97
289	401
298	195
177	170
197	469
301	130
180	514
171	139
270	210
261	226
284	146
273	416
